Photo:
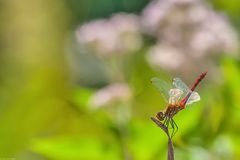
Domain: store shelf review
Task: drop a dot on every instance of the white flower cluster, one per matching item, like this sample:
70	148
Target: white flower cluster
118	35
186	28
115	92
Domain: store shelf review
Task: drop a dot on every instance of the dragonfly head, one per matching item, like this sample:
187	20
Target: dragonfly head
160	116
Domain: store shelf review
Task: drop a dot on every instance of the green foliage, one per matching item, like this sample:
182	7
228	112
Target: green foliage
75	148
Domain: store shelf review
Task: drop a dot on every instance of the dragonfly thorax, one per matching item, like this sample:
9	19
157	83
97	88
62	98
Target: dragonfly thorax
169	112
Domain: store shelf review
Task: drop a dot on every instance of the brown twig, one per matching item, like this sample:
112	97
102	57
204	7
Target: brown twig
170	145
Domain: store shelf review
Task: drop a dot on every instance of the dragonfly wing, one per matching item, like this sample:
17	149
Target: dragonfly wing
178	83
174	95
193	98
162	86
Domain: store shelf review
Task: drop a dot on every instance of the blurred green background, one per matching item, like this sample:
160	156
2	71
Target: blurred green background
75	78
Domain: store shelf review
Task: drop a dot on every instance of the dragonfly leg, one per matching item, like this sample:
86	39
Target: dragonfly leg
171	124
166	121
173	127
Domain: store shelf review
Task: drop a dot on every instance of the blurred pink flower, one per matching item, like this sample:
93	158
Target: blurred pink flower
190	28
116	92
214	35
119	34
166	56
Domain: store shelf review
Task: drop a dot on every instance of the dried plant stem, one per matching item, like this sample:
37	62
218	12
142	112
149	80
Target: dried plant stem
170	149
170	145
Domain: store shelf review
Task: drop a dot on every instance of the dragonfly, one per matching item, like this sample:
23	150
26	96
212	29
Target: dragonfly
177	96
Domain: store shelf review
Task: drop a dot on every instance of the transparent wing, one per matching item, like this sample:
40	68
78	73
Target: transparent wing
178	83
193	98
162	86
174	96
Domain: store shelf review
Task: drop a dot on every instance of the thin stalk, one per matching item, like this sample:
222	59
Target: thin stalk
170	144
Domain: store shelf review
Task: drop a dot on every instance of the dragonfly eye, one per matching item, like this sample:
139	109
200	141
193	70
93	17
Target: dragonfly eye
160	116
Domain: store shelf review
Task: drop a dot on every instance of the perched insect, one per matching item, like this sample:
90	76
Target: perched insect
177	95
